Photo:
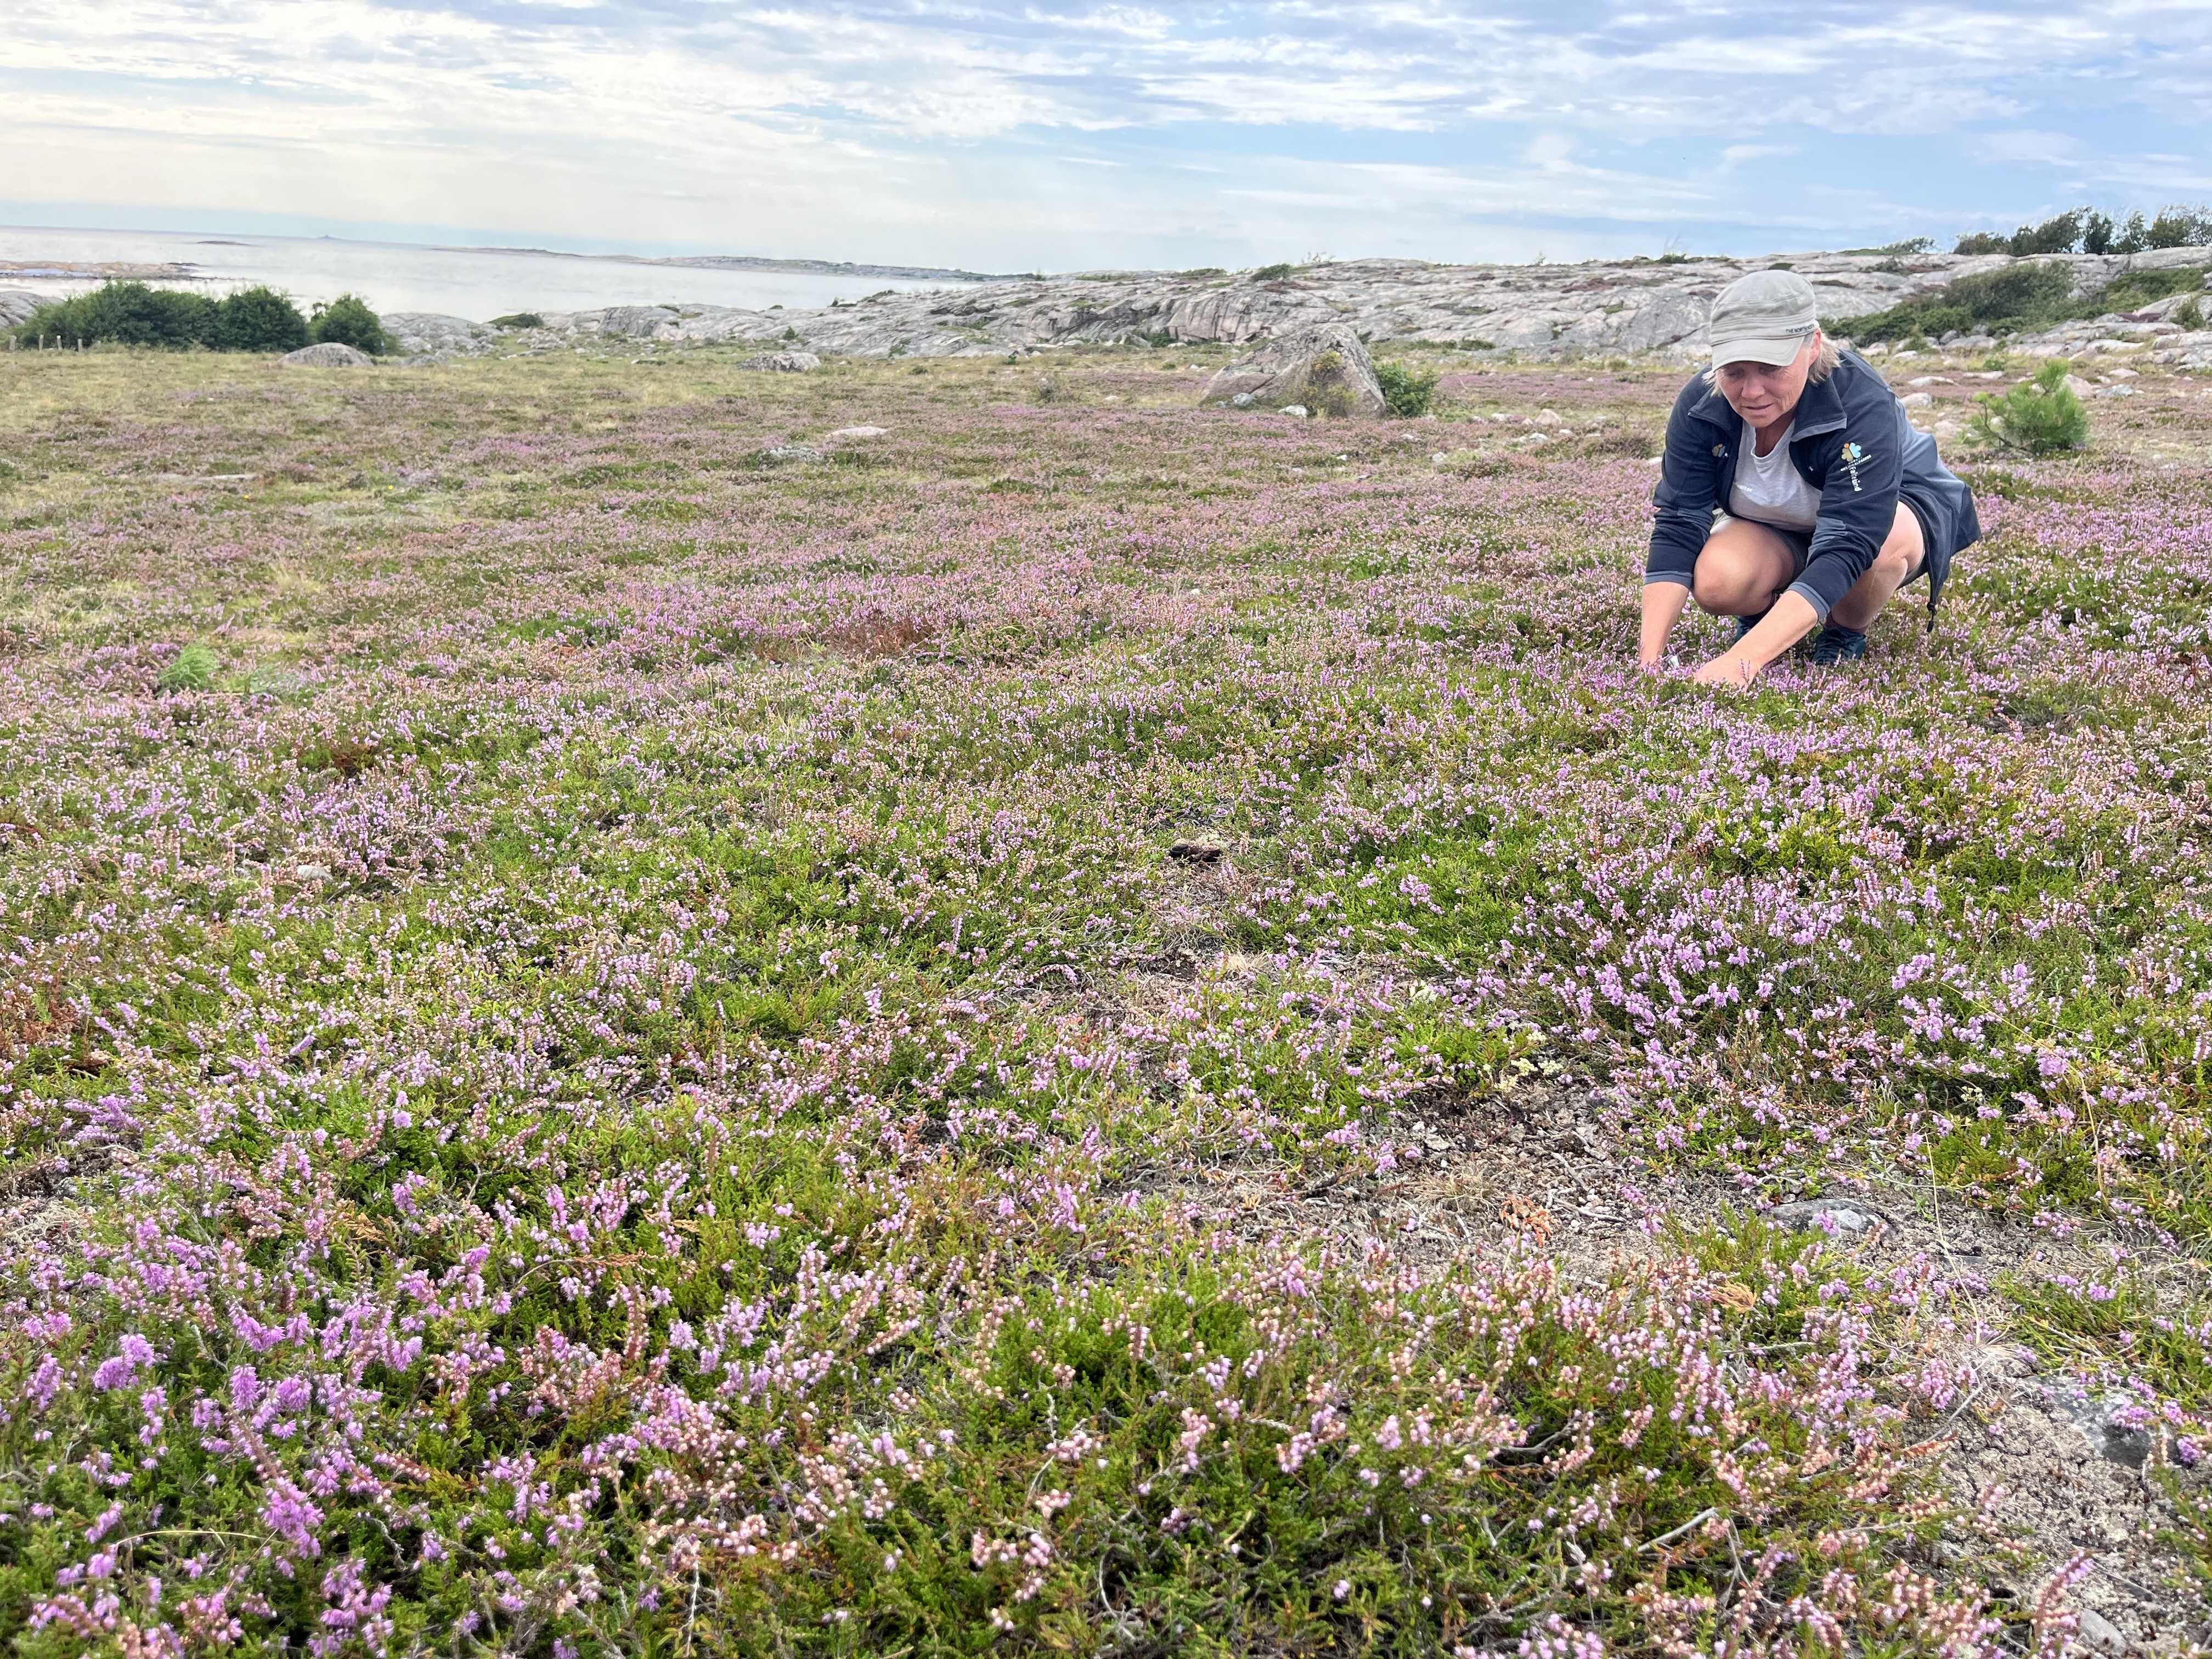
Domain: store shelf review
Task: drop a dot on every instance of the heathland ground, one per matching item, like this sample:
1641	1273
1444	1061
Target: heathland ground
637	1022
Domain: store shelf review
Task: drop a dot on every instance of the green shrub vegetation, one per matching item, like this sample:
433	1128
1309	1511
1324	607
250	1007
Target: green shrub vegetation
1406	392
123	313
347	320
2040	417
530	320
133	314
258	319
2088	230
193	670
1272	273
2018	299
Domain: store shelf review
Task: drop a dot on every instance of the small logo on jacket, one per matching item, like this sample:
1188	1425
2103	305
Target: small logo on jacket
1853	456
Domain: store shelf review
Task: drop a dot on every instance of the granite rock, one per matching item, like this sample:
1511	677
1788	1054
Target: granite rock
783	363
1323	368
326	354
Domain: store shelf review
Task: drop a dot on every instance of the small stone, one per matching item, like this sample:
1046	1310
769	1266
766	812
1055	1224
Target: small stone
1242	400
312	873
2100	1421
2100	1632
859	432
1842	1217
786	454
1916	399
1298	410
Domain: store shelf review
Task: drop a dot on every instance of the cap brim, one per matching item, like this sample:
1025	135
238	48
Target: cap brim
1773	353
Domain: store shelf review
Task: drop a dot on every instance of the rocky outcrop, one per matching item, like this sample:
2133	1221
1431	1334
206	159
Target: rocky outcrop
431	336
783	363
1637	308
1323	368
16	305
326	354
1641	309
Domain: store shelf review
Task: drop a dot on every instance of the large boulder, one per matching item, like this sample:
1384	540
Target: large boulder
783	363
326	354
1323	366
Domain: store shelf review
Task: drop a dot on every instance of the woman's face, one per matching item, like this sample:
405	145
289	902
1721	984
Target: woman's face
1764	394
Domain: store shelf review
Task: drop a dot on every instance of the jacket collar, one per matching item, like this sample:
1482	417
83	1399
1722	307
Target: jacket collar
1820	409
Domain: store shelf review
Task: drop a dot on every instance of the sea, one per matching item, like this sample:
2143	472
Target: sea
476	282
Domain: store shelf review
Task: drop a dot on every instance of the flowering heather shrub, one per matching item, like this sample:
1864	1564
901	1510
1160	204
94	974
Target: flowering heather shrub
645	1082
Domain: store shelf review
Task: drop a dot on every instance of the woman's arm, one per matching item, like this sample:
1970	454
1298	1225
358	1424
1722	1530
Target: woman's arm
1777	630
1662	608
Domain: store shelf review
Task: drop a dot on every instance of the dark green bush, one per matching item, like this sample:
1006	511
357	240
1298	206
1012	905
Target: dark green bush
125	313
258	320
532	319
1405	392
2040	417
1272	273
2088	230
348	321
131	314
1999	301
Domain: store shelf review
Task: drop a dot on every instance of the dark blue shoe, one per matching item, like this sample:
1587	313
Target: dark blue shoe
1837	644
1745	624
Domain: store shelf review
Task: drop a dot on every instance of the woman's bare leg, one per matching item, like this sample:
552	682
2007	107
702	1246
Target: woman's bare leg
1741	570
1898	561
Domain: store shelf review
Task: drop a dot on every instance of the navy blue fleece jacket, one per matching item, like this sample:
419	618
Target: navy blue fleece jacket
1853	442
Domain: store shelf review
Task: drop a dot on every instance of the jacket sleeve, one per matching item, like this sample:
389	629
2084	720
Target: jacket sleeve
1859	503
1682	506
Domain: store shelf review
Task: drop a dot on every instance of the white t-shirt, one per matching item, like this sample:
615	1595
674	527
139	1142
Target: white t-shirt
1769	489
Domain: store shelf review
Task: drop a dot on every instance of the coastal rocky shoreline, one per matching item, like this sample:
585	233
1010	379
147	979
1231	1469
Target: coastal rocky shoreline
1639	308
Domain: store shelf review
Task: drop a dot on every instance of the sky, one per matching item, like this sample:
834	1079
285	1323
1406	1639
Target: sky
1001	134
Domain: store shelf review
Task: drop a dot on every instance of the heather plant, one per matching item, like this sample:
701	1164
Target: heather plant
2041	416
904	1048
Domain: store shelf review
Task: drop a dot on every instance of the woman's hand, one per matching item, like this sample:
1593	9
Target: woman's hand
1780	629
1731	669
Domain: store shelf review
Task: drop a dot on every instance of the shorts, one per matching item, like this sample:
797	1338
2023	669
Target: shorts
1936	555
1799	542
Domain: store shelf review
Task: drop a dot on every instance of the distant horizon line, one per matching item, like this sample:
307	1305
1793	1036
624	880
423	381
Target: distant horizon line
216	237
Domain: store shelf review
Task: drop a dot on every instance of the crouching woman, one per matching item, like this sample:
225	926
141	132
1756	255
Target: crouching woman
1795	492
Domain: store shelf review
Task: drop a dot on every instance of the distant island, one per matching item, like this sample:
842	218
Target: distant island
751	262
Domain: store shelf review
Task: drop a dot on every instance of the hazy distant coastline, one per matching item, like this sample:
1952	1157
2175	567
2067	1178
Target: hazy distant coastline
757	262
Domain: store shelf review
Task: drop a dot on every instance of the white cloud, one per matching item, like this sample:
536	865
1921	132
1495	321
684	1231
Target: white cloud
866	127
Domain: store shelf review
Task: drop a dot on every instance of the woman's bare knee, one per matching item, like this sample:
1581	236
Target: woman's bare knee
1736	574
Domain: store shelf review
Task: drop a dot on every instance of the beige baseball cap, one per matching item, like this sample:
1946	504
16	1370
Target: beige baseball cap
1763	318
